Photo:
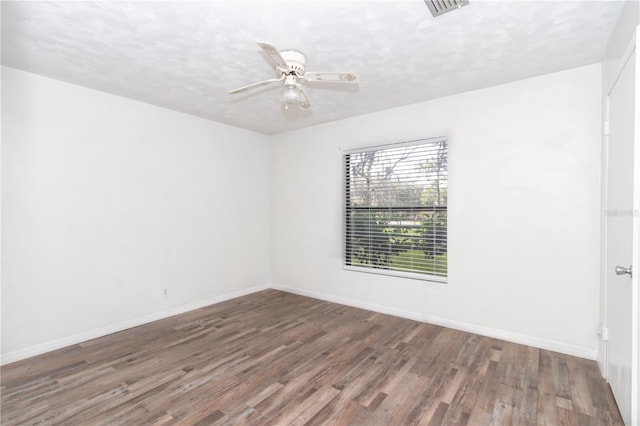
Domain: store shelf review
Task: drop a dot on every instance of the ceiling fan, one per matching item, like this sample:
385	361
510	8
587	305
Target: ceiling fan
289	65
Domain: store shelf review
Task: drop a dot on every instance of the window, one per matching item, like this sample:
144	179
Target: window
395	216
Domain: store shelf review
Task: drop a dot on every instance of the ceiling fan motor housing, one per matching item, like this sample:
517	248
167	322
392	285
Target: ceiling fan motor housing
295	60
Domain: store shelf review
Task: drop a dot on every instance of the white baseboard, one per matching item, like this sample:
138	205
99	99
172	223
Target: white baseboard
509	336
551	345
601	359
10	357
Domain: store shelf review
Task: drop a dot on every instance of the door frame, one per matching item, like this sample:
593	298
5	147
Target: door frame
635	303
635	281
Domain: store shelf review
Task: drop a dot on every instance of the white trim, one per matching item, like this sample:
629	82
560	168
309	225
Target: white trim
402	313
628	51
551	345
601	367
604	368
396	273
41	348
393	145
635	282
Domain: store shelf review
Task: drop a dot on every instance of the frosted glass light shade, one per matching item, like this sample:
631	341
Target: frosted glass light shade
291	95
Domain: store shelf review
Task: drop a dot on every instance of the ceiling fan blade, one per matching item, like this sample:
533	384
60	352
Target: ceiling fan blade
332	77
304	102
254	85
274	54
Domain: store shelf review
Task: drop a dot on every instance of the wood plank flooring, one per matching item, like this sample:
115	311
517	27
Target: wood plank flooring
275	358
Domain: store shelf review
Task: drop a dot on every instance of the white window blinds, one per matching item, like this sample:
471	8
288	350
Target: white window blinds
395	215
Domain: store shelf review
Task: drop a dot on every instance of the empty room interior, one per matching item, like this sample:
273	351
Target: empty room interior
237	212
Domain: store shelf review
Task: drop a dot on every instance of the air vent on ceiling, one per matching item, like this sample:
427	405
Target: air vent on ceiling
438	7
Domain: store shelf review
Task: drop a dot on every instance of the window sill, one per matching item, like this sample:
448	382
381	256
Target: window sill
398	274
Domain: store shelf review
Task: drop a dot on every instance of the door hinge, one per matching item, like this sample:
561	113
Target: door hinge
606	128
605	334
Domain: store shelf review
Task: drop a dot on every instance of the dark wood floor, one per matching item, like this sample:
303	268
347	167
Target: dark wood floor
277	358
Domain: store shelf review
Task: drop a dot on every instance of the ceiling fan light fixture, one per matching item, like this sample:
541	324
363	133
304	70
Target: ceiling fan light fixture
290	65
291	95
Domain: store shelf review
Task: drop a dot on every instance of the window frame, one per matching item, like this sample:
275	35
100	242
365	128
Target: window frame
346	199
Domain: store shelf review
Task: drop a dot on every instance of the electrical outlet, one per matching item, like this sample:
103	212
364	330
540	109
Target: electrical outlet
165	292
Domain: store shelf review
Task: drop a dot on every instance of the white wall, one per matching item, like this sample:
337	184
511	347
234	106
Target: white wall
617	51
524	179
106	201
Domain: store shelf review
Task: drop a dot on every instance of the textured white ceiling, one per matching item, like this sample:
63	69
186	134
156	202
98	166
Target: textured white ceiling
186	55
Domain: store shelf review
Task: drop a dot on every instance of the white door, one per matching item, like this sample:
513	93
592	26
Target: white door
620	237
